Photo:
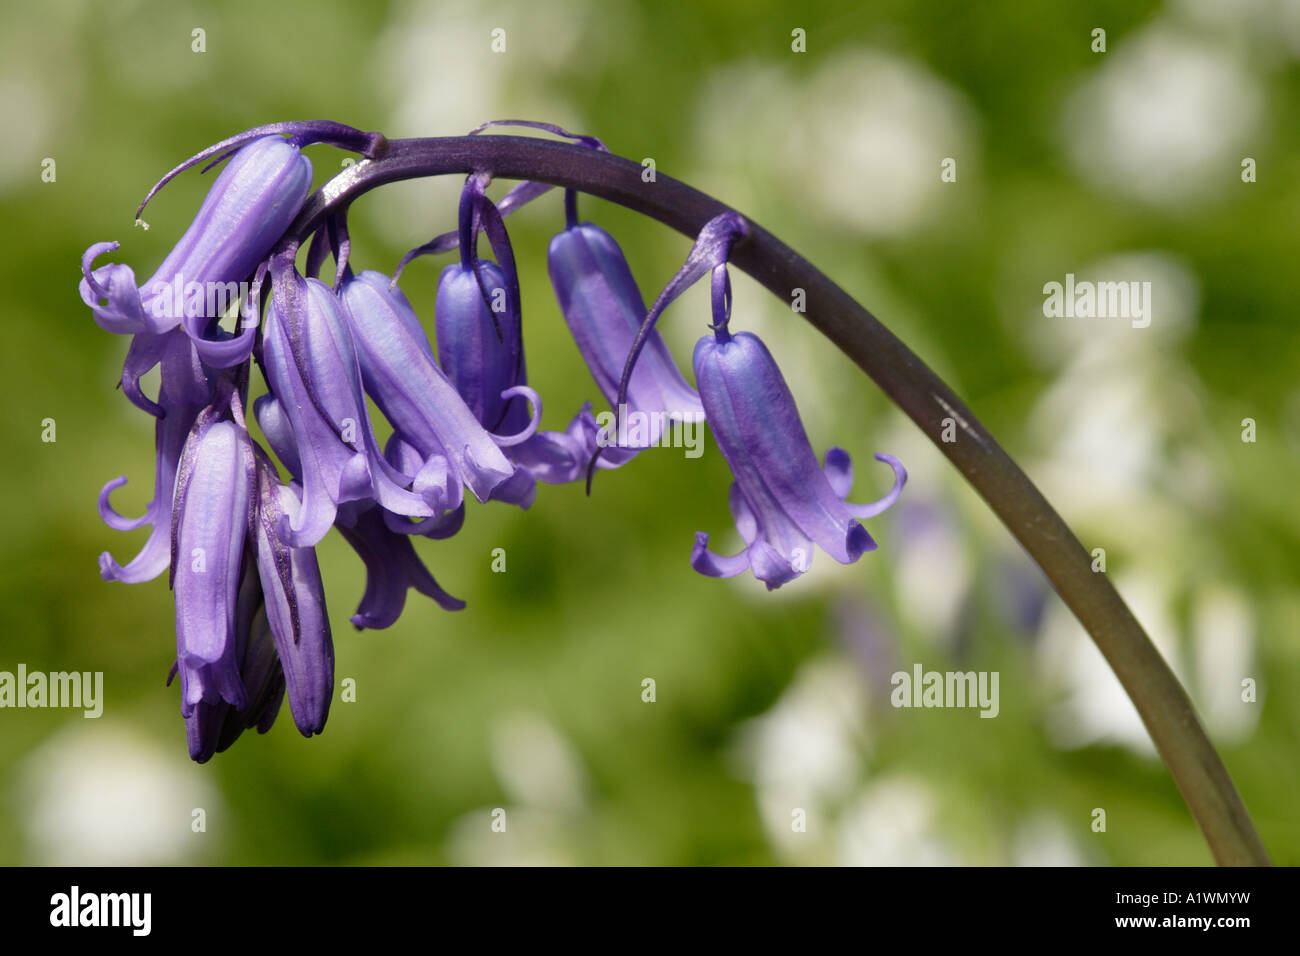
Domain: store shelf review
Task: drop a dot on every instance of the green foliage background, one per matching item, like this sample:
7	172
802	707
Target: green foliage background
598	592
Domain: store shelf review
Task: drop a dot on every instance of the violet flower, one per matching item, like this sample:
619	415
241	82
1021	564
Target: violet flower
311	365
295	604
379	537
783	502
426	411
604	311
214	493
212	727
392	567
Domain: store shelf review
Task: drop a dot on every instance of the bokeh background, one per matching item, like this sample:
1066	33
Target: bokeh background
1117	165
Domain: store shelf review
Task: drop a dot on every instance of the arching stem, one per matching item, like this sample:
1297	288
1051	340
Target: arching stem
1160	699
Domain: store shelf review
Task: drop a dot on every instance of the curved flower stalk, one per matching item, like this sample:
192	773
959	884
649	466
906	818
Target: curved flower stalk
723	236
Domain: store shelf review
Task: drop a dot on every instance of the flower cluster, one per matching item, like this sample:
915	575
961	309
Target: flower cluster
238	533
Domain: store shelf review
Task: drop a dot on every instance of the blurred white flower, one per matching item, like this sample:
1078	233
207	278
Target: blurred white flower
894	823
1267	25
806	752
100	794
1223	628
1164	118
861	137
530	838
1043	840
536	765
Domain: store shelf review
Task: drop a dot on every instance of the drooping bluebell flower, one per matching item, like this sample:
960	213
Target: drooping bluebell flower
214	495
246	211
252	625
311	365
295	603
378	536
479	330
604	311
212	727
401	375
392	566
783	501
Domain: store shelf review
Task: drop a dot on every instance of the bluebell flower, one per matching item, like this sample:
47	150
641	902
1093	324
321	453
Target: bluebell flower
311	364
379	537
214	497
252	626
212	727
392	567
604	312
294	600
783	501
402	376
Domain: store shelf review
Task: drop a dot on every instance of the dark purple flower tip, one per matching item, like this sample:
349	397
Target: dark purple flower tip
392	566
400	374
214	727
213	495
783	502
311	364
604	312
295	605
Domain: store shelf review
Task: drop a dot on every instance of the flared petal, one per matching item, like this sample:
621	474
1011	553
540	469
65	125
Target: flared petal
170	435
845	480
706	561
392	566
113	297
